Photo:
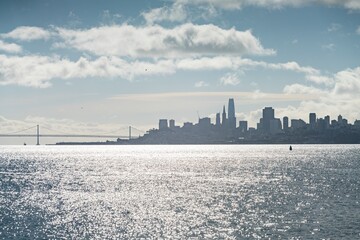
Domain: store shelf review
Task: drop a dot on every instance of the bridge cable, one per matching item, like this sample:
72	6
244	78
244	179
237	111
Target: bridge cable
19	131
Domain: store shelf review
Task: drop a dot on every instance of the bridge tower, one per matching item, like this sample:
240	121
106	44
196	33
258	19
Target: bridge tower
37	135
129	132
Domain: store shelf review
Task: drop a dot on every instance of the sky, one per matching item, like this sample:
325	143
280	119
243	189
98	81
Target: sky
90	66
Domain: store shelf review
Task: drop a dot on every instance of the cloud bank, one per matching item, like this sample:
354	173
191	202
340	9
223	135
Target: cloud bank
158	42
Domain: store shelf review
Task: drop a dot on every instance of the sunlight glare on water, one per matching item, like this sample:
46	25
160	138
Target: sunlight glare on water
180	192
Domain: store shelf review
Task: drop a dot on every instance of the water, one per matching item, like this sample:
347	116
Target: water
180	192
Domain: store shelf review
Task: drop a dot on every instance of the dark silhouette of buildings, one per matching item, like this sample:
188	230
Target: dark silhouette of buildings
269	130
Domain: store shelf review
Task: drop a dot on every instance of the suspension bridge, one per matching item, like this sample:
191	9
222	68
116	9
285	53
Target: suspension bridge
118	133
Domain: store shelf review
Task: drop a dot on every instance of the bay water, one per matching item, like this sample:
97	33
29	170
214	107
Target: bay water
180	192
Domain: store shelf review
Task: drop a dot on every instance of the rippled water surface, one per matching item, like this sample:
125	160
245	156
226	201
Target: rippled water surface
180	192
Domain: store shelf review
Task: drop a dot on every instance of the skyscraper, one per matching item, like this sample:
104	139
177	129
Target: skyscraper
312	120
231	114
172	123
285	123
163	124
223	117
268	115
218	121
243	125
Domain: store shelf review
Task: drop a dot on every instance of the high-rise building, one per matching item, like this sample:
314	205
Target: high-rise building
231	114
285	123
327	121
218	121
243	126
268	115
297	123
163	124
312	120
224	117
172	123
275	126
340	119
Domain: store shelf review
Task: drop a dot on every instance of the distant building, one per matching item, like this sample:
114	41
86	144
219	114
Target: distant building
224	120
243	126
340	119
297	123
204	123
357	123
172	123
285	123
275	126
218	120
321	124
163	124
231	114
312	120
188	125
268	115
334	123
327	121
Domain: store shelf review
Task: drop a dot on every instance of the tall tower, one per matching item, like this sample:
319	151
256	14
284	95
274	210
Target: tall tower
268	115
285	123
312	120
218	121
223	117
231	114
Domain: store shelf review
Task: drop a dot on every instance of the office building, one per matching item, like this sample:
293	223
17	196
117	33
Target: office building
243	126
268	115
275	126
285	123
163	124
297	123
312	120
231	114
172	123
218	120
224	120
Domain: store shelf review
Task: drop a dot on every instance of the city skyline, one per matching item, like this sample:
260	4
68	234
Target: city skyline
268	114
89	67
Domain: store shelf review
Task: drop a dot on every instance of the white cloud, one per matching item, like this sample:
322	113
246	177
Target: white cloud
329	46
358	30
27	33
302	89
341	98
156	41
334	27
38	71
10	47
238	4
230	79
201	84
318	79
293	66
234	63
175	13
347	82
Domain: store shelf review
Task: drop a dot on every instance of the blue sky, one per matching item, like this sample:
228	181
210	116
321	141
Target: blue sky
93	66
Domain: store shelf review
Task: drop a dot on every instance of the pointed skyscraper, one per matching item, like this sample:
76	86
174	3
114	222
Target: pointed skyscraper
223	117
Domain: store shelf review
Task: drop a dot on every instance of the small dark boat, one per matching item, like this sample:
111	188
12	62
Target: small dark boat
290	148
24	144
